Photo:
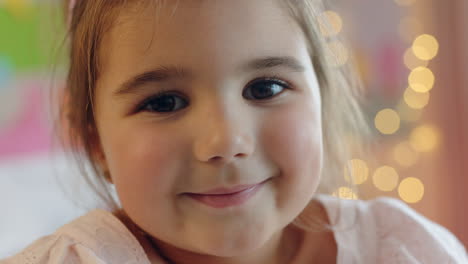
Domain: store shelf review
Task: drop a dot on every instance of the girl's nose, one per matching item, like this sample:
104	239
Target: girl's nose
223	137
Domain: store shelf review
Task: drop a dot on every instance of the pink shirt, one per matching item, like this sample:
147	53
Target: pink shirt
382	230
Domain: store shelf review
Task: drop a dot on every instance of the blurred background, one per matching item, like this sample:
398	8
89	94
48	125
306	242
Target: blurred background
413	58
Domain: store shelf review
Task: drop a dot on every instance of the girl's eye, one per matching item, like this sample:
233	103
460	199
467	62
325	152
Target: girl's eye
162	102
264	88
260	89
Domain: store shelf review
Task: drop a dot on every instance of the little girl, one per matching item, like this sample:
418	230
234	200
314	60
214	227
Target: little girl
167	101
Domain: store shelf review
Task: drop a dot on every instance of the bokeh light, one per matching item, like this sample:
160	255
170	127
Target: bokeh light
345	193
359	171
411	190
387	121
385	178
339	54
425	138
425	47
411	61
421	79
416	100
330	23
405	155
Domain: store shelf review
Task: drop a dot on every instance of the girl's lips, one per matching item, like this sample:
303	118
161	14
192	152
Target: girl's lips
225	197
233	190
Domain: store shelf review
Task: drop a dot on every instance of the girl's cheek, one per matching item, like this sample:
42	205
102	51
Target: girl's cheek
140	153
293	139
294	142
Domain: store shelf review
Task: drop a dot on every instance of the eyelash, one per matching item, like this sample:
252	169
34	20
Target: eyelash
273	79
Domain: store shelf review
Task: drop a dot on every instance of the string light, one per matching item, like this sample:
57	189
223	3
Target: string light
338	53
330	23
411	190
385	178
425	138
416	100
421	79
411	61
359	171
405	155
425	47
387	121
345	193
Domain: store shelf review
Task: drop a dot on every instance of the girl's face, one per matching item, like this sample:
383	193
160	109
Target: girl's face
241	106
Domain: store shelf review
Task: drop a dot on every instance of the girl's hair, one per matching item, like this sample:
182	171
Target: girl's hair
344	126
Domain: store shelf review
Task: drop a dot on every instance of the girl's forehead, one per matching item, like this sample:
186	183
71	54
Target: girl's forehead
217	32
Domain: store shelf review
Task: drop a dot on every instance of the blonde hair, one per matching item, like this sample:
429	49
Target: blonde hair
340	90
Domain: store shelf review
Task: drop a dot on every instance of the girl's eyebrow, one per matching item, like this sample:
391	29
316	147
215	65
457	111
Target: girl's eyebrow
166	73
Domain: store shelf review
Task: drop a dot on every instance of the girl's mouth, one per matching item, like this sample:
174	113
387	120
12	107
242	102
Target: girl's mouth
221	198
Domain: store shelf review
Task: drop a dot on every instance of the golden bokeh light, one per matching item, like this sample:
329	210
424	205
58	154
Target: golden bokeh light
385	178
412	62
425	47
339	54
425	138
411	190
330	23
421	79
359	171
405	155
409	28
416	100
345	193
405	2
387	121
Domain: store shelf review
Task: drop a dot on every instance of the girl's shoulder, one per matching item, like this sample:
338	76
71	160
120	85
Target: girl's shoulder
97	237
386	230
